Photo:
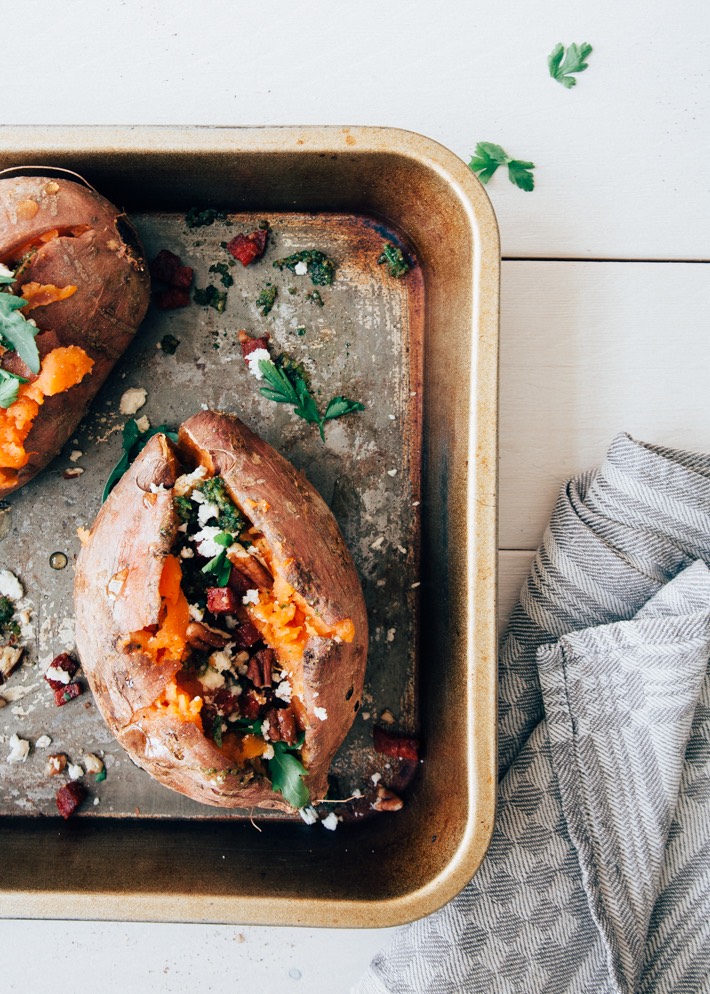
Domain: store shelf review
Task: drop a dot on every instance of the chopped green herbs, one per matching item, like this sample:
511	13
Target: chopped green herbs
219	568
185	509
101	775
561	62
301	331
488	157
397	265
196	218
266	299
319	267
9	385
229	518
287	383
210	296
134	441
315	296
169	344
8	627
17	333
223	269
286	773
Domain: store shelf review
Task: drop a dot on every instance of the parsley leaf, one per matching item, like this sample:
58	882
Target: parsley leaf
266	299
320	268
287	384
397	265
210	296
574	60
196	218
134	441
519	173
16	332
339	406
219	566
486	159
286	773
9	385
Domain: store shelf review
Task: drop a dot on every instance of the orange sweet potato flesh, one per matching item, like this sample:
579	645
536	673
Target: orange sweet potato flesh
76	239
312	567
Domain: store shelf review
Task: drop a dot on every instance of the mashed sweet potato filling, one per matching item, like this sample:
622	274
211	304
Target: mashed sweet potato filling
41	294
61	369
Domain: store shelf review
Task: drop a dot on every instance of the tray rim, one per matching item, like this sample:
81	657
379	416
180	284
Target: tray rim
480	516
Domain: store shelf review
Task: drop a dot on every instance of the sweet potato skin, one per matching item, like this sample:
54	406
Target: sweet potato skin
106	265
299	528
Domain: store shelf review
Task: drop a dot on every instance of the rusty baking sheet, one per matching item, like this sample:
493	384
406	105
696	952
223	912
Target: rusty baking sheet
420	353
364	342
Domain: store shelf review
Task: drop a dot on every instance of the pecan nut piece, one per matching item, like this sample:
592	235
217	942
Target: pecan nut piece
387	800
203	637
260	666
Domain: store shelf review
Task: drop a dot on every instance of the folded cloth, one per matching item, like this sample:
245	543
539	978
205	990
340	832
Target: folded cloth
598	875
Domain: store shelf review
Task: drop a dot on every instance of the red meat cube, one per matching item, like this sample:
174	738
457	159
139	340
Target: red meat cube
221	600
67	693
247	248
69	797
394	745
64	662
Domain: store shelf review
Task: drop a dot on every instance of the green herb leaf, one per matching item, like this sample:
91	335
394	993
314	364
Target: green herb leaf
229	518
266	299
519	173
222	268
217	730
210	296
397	265
196	218
101	775
488	157
338	407
16	332
134	441
9	385
220	568
320	268
286	773
169	344
315	297
575	57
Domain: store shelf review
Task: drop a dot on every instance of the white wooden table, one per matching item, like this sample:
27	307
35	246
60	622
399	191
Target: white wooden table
606	287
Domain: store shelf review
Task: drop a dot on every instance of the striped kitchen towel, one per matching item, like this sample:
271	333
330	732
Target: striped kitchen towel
598	876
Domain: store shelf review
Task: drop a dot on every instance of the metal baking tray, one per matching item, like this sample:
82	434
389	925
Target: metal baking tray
412	482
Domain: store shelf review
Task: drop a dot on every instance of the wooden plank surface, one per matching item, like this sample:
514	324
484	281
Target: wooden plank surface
621	158
589	350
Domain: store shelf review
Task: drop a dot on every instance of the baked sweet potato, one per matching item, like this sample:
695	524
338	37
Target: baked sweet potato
77	262
220	620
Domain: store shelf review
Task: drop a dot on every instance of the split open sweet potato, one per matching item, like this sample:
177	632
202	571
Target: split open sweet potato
220	620
77	262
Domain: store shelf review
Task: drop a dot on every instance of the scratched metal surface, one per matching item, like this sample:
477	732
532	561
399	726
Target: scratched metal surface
364	342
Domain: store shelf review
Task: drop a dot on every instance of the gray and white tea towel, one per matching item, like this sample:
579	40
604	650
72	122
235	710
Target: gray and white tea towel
598	876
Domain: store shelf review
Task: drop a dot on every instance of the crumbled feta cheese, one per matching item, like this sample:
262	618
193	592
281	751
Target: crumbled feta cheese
331	822
320	713
206	512
185	483
10	586
253	360
391	632
195	612
400	548
268	753
265	729
221	661
391	417
187	553
75	455
197	497
301	268
211	679
251	597
158	488
92	763
142	423
58	674
365	715
206	545
284	691
308	814
73	473
133	399
4	271
415	585
377	544
392	472
415	503
376	777
75	771
19	749
9	658
357	792
43	742
97	800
